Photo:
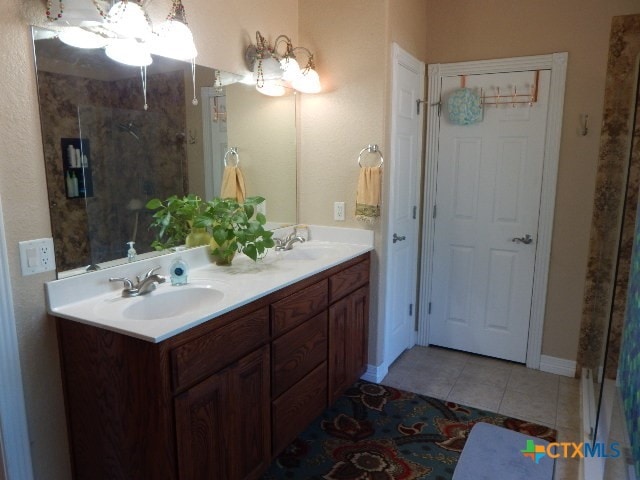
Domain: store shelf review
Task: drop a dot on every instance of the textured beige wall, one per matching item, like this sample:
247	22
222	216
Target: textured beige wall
222	29
506	28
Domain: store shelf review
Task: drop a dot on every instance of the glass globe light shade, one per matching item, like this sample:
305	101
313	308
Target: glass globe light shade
174	40
129	52
127	19
270	68
271	88
290	68
81	38
307	82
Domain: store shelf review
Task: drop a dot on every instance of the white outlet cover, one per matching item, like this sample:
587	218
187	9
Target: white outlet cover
37	256
338	211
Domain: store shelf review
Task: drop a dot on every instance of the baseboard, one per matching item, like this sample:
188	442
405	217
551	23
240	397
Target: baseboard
559	366
375	373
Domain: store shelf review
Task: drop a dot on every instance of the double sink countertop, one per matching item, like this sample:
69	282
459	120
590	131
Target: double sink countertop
211	290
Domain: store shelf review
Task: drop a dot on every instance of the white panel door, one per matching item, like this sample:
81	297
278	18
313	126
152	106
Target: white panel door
488	194
402	226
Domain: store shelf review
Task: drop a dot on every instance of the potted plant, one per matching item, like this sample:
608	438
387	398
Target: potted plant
174	220
234	228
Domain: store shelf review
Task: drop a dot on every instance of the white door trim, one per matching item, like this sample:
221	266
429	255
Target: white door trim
398	57
557	63
13	417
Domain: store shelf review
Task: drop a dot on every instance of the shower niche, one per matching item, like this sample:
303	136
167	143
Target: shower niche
76	167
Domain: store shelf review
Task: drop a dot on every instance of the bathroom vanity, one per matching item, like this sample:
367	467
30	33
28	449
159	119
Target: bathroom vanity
218	400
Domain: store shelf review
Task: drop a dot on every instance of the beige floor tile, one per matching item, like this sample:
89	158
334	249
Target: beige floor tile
533	406
496	363
485	374
570	435
477	395
526	380
568	414
413	380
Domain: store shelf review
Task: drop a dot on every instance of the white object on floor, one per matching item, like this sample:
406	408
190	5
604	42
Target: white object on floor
495	452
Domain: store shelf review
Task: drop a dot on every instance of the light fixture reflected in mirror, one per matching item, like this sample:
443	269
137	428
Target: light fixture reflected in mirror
80	38
129	52
269	64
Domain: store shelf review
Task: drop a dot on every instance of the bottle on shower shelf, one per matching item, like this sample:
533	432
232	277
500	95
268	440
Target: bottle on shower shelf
131	253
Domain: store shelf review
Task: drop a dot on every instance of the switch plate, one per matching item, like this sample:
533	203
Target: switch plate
37	256
338	211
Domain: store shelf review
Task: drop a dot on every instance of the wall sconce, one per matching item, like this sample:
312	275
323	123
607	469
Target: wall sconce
271	68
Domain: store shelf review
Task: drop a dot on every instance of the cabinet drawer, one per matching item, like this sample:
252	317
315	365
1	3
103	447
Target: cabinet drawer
296	308
297	352
213	351
298	406
348	280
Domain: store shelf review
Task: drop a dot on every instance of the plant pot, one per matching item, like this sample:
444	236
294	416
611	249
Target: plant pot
198	237
221	260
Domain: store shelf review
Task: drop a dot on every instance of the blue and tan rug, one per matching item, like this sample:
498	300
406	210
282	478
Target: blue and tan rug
374	432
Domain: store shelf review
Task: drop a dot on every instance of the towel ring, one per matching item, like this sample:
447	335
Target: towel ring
371	148
232	151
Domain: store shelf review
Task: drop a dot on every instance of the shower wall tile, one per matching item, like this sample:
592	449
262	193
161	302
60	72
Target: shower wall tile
610	194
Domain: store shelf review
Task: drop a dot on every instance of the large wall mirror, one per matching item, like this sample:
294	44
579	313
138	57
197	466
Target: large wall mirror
106	155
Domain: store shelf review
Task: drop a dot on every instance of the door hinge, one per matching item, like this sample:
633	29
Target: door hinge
415	211
429	309
411	309
435	211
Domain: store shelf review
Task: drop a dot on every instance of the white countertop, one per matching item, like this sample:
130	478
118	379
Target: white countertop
91	299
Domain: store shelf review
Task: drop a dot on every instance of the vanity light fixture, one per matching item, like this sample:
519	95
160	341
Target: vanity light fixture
272	69
173	38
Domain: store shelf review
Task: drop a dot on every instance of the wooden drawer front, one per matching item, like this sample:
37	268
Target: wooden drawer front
297	352
296	308
210	353
298	406
348	280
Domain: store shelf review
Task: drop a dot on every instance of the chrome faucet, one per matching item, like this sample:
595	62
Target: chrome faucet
287	242
145	283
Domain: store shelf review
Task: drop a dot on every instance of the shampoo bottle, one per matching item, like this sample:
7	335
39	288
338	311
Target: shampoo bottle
69	182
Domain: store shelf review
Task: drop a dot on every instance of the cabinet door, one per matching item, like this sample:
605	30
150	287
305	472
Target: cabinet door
223	423
203	429
348	327
250	399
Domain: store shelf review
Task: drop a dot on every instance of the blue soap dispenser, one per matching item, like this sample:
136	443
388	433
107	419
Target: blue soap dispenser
179	272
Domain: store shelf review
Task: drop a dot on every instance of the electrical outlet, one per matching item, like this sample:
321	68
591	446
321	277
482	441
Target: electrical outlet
338	211
37	256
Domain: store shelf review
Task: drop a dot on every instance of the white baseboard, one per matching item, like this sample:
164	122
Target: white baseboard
559	366
375	373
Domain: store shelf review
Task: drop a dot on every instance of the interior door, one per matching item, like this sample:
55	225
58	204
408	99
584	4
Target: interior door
486	218
402	227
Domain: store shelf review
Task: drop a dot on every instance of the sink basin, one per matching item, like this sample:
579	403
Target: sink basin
163	303
309	252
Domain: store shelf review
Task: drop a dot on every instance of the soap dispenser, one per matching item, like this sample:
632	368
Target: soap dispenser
179	272
131	253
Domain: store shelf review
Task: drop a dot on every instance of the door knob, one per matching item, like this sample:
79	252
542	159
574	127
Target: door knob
526	239
398	238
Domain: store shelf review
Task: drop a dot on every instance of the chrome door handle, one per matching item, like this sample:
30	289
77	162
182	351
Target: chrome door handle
398	238
526	239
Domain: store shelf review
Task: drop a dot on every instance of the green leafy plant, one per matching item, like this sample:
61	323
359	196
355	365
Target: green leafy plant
174	219
235	227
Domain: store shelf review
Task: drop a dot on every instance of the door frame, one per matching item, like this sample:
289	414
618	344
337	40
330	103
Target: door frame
13	417
557	64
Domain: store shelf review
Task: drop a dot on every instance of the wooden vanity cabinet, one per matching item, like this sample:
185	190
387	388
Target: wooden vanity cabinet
220	400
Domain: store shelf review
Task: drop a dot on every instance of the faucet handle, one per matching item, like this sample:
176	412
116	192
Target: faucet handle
128	284
148	274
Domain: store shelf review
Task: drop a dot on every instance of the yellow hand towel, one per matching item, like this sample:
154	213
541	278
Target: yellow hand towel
233	184
368	195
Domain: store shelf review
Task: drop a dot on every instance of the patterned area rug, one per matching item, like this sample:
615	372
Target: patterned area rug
374	432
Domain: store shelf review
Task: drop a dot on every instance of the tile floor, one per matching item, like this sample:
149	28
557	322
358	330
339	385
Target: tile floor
497	386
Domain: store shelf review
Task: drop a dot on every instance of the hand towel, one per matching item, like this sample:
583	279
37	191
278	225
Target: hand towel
233	184
368	194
